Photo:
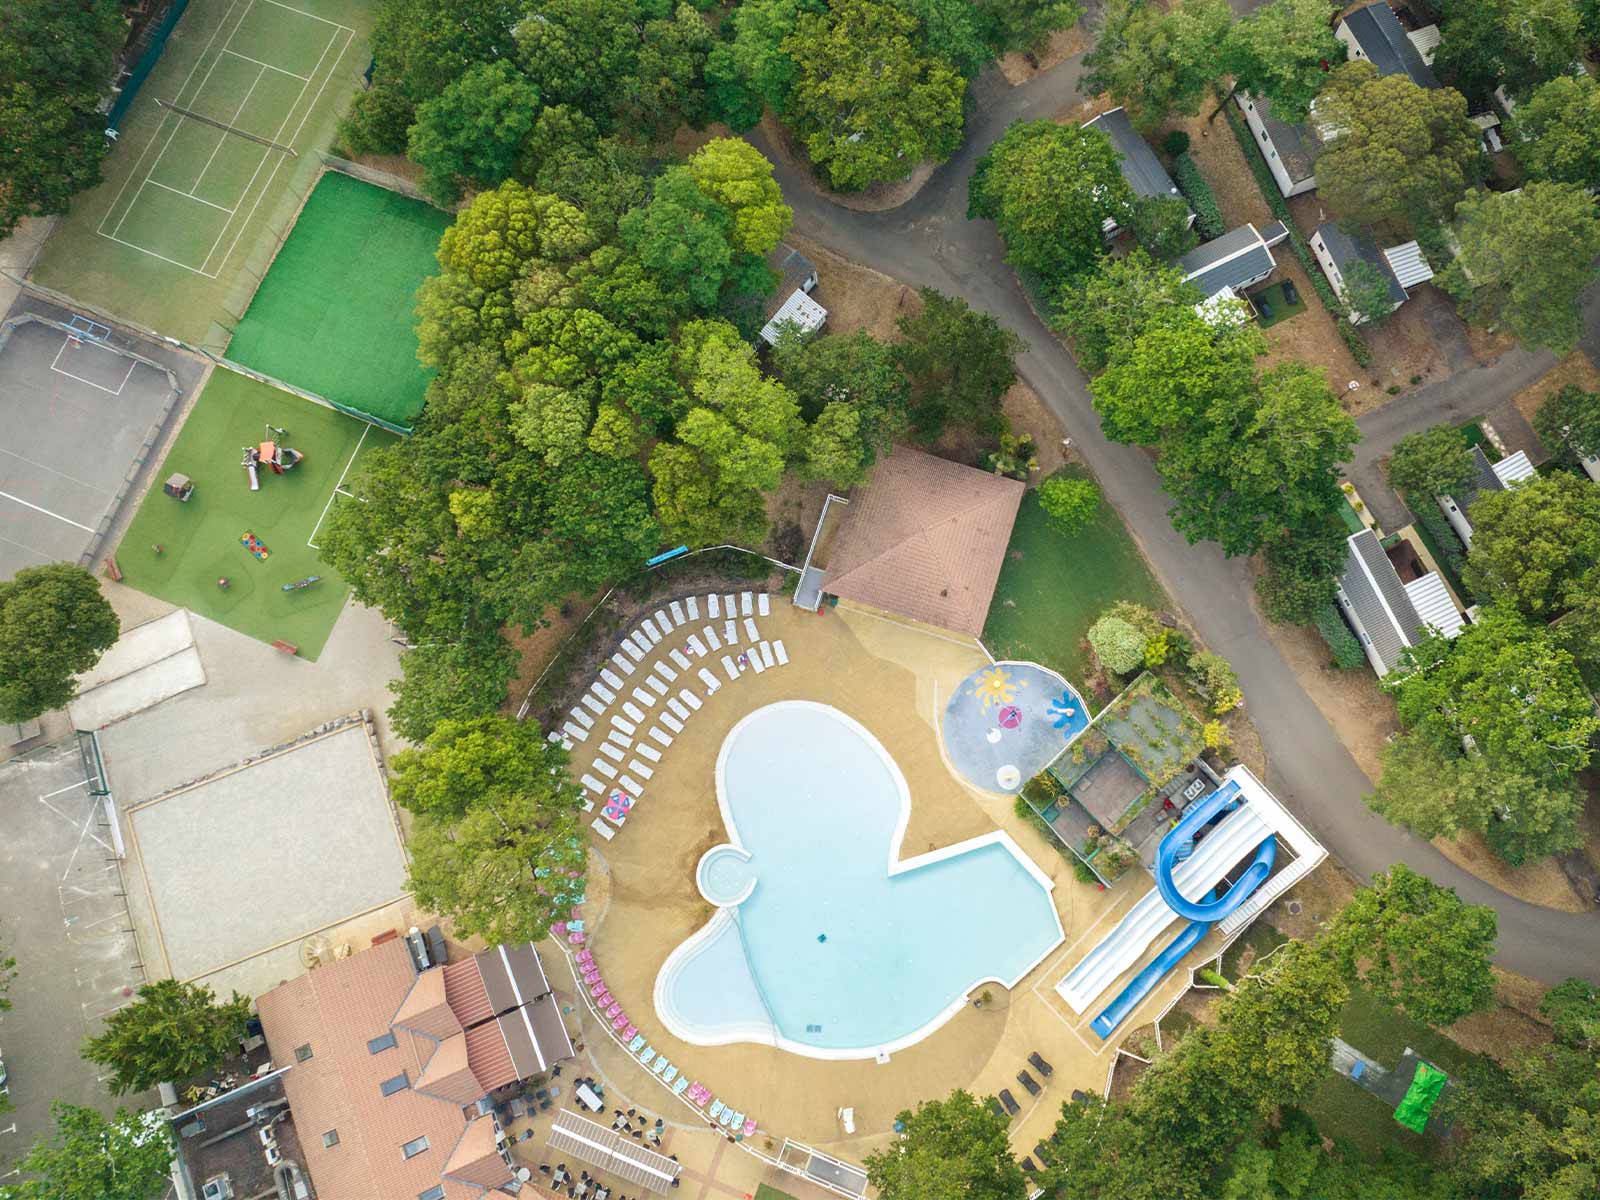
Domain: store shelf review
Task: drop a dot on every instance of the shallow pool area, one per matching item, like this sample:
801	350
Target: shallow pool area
824	941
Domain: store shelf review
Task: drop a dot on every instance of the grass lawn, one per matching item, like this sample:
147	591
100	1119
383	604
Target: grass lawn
200	538
1282	310
1052	587
335	313
765	1191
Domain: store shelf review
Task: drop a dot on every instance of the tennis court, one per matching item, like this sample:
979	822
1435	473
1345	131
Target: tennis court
200	539
335	314
222	140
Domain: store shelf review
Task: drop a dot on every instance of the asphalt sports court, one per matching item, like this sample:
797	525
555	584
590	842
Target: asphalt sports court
223	134
335	314
78	407
199	538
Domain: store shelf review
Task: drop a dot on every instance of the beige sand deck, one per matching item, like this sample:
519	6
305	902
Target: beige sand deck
893	677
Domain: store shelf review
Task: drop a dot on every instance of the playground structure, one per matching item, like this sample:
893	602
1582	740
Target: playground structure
270	453
1239	820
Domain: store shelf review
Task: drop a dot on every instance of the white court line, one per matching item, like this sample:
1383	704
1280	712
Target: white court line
101	230
337	488
83	483
153	254
90	382
68	788
312	15
265	65
310	108
191	195
233	120
46	511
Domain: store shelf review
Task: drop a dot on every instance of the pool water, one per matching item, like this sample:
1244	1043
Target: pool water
824	941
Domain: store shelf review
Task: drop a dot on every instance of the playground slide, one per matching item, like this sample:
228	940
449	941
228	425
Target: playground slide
1196	877
1202	914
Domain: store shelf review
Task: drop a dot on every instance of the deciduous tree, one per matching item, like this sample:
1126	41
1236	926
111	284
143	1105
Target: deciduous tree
1556	135
1415	945
1069	503
845	373
1568	422
1027	24
171	1033
54	625
866	101
1280	52
1516	43
457	681
951	1149
960	363
1400	153
1532	543
750	70
1524	258
683	235
739	177
1107	310
1162	227
1434	462
1573	1009
474	130
1157	61
124	1157
1169	377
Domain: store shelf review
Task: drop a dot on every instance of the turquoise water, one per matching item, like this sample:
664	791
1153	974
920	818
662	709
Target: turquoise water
829	948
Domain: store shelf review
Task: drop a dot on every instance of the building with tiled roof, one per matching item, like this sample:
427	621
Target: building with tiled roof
391	1071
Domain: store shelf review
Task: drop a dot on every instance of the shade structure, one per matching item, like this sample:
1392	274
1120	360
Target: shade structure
608	1151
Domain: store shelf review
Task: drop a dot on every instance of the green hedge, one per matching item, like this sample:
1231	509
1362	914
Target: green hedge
1208	217
1445	545
1344	645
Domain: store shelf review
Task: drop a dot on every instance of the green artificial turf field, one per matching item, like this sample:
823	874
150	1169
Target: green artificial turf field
200	537
335	313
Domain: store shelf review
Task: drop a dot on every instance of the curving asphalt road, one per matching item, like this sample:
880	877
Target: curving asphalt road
929	241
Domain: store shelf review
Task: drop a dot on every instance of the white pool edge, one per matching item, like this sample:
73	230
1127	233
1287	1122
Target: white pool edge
768	1034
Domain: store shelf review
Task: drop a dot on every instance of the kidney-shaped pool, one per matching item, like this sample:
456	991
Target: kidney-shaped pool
824	941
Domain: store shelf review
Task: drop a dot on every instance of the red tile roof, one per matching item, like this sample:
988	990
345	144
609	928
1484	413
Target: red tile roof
426	1008
464	992
489	1056
476	1158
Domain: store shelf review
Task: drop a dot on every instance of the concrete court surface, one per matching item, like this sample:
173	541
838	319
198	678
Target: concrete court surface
267	853
74	424
63	917
149	663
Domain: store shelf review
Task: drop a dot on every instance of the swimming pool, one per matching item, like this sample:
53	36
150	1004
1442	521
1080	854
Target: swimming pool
824	941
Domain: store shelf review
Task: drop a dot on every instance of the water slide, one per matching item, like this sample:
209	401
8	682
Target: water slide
1182	889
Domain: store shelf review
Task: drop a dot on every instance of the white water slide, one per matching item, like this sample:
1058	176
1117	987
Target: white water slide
1238	835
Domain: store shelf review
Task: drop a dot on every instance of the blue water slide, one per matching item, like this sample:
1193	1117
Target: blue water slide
1201	914
1196	816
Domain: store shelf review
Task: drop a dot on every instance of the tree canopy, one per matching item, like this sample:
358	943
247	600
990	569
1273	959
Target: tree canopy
1401	154
1568	422
1157	61
1556	135
1517	43
171	1033
1524	257
1435	462
474	130
951	1149
1280	52
1105	311
960	364
1049	189
54	625
91	1157
1532	544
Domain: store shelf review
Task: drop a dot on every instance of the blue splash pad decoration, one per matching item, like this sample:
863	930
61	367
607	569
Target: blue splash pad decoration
1009	721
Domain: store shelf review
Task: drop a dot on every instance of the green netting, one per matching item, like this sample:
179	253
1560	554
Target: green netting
1416	1105
156	41
334	315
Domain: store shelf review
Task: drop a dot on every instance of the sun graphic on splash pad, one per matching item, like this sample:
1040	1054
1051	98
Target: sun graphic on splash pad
995	686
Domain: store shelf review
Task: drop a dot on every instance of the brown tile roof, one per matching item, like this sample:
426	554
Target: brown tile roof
489	1056
448	1076
426	1009
336	1010
925	538
465	993
476	1158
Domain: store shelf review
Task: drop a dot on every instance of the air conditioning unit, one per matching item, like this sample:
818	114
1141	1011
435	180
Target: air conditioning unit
218	1187
268	1138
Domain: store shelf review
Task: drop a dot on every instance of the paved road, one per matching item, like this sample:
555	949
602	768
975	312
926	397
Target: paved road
929	241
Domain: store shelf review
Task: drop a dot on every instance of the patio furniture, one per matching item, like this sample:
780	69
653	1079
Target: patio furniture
1040	1065
1010	1101
1291	294
635	1044
847	1118
749	1126
1028	1082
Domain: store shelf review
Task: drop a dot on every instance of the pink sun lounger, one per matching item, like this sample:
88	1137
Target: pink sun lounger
619	1021
749	1126
605	1000
598	988
631	1031
614	1009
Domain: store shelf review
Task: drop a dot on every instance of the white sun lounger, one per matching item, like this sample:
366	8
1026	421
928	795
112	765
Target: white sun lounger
583	718
604	768
679	657
693	605
620	738
678	710
713	606
601	690
650	631
623	664
657	686
727	665
665	672
644	697
633	651
613	680
592	703
746	604
677	613
710	680
610	751
697	645
649	751
594	785
690	699
711	637
753	657
633	711
766	653
659	736
641	643
663	620
555	739
730	605
627	727
782	654
603	829
672	722
632	786
750	629
618	821
574	732
763	604
730	632
635	765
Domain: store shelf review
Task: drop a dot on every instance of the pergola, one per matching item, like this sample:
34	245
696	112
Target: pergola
612	1153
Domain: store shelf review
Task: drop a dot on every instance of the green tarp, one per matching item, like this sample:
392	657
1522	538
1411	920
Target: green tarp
1414	1107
